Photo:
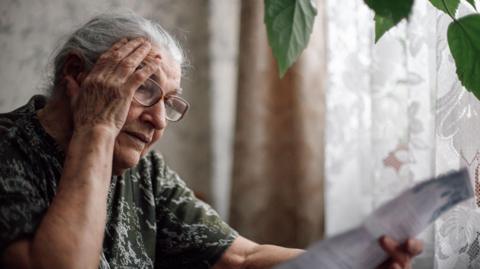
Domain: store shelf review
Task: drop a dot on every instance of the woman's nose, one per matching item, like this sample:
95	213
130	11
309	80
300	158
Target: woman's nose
156	115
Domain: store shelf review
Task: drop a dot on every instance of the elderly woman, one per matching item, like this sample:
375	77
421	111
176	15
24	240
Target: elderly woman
78	185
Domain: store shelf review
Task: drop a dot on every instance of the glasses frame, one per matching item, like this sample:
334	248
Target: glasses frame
162	98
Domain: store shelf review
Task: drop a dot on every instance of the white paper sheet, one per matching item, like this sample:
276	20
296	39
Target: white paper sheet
401	218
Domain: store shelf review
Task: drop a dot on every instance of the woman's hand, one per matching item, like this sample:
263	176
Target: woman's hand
103	97
400	254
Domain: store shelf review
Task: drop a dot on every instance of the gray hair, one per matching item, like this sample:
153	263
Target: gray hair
101	32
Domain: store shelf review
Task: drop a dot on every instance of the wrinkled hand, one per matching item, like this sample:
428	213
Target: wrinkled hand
104	96
400	254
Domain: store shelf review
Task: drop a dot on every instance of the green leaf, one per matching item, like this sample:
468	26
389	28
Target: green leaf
382	25
289	25
472	2
388	13
447	6
395	10
464	42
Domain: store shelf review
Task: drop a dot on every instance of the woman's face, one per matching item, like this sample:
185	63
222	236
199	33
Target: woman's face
145	125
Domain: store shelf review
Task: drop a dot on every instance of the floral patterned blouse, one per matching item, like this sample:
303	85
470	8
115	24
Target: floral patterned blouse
153	219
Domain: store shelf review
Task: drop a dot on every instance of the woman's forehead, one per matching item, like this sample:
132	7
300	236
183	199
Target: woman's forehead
168	65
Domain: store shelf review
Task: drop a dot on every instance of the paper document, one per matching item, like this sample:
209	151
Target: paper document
401	218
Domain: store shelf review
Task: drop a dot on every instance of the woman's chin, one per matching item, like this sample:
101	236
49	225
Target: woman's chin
125	159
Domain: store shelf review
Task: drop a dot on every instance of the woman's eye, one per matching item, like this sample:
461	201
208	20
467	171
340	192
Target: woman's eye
144	92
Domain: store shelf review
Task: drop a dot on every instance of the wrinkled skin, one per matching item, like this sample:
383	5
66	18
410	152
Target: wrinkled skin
103	97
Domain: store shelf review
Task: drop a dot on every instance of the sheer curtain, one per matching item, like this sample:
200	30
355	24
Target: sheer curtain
397	114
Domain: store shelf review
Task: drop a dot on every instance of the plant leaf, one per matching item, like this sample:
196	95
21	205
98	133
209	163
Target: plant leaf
382	25
464	42
289	25
472	2
449	6
388	13
395	10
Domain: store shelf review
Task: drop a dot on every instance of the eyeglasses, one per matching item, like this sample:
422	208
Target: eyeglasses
150	93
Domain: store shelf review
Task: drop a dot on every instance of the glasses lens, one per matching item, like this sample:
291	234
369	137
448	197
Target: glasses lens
148	94
175	108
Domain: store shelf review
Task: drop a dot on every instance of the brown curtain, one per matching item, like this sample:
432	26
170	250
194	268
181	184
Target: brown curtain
277	188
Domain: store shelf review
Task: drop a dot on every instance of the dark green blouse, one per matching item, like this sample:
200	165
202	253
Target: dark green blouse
153	219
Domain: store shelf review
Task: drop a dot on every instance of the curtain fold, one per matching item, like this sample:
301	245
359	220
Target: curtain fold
277	188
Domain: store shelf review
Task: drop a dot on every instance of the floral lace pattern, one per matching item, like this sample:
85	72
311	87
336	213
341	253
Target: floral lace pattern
397	114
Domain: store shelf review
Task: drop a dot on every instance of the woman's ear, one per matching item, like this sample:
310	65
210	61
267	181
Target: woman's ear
74	66
74	72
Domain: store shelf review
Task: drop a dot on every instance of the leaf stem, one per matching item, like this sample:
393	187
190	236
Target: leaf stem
448	11
455	20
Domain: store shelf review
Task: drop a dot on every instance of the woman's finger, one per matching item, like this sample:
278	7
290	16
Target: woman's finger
395	250
130	63
142	74
119	44
108	61
414	246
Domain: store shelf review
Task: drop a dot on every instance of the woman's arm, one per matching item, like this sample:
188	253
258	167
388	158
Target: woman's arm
246	254
71	232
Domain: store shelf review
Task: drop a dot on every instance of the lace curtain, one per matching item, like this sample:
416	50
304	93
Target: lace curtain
397	114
